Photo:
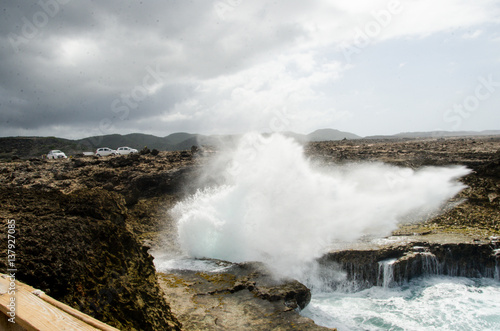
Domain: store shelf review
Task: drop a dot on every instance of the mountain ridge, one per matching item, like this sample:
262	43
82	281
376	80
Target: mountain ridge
26	147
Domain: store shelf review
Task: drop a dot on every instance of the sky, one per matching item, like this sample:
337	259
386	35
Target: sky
74	69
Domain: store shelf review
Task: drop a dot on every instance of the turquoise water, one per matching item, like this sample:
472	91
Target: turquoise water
434	303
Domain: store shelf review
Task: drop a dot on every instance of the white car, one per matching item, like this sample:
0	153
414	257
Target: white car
125	150
56	154
105	151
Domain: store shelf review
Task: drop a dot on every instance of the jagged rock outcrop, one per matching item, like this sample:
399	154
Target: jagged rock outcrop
395	265
145	175
77	248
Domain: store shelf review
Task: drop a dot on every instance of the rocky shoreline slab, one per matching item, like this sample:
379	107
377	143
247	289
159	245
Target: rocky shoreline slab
240	297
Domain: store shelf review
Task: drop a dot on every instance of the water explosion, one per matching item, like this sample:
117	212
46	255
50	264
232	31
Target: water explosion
276	206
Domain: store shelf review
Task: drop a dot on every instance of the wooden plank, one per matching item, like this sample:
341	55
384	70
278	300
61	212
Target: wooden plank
5	325
75	313
41	312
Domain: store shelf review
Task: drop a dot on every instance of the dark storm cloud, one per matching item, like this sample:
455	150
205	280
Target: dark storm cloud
41	86
76	68
68	62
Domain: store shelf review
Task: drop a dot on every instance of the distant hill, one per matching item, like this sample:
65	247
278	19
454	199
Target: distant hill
330	134
302	138
179	137
27	147
194	140
437	134
201	140
446	134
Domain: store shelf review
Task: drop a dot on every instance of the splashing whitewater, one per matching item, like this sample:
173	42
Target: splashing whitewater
275	206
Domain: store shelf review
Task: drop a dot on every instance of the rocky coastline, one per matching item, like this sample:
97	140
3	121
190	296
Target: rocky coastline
86	227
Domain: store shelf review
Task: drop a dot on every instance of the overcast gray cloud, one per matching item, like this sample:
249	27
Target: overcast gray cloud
79	68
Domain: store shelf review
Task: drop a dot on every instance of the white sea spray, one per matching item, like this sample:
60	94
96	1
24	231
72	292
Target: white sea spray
273	205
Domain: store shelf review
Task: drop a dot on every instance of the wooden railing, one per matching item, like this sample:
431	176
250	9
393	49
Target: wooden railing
25	308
